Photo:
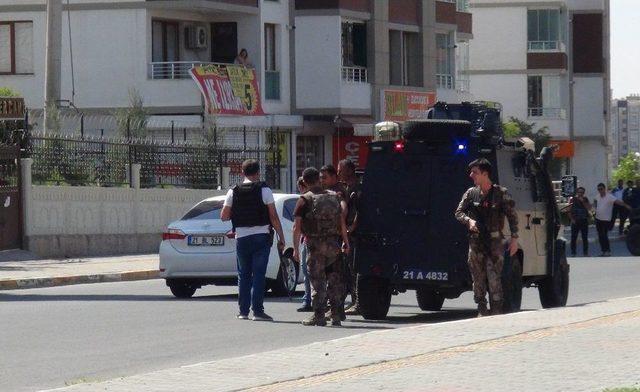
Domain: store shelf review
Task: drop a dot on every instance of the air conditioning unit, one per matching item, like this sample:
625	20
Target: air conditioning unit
196	37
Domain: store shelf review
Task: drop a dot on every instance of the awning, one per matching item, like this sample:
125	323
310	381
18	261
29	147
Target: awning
362	125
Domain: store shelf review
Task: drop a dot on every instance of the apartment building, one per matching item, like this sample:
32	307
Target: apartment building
547	62
625	128
357	62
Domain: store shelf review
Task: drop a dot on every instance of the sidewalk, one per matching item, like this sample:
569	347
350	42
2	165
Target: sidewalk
589	347
22	270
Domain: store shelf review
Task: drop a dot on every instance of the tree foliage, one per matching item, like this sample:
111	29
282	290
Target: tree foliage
8	92
519	128
628	168
132	121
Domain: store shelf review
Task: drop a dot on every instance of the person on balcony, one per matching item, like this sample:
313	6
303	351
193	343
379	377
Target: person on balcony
243	59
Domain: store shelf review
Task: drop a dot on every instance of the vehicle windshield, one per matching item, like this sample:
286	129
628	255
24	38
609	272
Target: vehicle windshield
205	210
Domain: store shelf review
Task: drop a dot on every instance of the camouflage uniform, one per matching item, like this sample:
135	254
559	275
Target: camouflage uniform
352	193
486	249
323	247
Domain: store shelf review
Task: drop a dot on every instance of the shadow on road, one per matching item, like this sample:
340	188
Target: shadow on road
424	318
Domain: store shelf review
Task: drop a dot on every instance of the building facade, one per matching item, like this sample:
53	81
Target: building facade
547	62
625	128
327	69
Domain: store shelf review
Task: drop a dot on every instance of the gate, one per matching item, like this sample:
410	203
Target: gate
10	198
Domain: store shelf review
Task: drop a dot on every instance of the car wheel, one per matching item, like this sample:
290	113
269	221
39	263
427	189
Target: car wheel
287	280
633	239
429	299
374	297
512	285
181	288
554	289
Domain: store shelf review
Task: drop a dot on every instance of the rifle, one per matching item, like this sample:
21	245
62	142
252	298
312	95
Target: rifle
481	225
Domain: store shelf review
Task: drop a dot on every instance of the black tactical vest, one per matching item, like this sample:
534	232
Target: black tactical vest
248	209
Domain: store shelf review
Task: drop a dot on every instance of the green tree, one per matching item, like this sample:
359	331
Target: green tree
133	118
628	168
8	92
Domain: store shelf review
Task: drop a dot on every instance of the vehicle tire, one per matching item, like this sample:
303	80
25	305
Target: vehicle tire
429	299
181	288
512	285
374	297
554	289
287	280
633	239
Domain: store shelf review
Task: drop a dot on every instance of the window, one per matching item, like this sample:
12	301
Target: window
309	152
545	29
288	209
405	60
543	97
272	75
462	5
205	210
445	60
354	44
16	47
166	41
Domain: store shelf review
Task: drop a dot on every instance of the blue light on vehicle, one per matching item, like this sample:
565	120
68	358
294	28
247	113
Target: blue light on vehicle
460	147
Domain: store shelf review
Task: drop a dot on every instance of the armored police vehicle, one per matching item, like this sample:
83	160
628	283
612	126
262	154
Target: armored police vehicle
407	237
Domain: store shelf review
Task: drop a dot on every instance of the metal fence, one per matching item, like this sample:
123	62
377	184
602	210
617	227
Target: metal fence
91	161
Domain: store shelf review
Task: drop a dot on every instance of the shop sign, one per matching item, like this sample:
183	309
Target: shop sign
399	105
353	148
566	148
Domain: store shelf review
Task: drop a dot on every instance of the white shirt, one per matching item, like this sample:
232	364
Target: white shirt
617	193
604	206
267	198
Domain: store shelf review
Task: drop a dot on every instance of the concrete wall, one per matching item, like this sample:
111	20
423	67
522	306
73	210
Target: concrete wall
64	221
588	106
318	72
499	39
590	165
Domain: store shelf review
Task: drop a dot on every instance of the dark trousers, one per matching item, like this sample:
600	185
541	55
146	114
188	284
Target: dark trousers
253	257
580	227
621	213
603	234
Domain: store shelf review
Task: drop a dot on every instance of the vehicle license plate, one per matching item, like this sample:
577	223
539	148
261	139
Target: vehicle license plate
217	240
423	275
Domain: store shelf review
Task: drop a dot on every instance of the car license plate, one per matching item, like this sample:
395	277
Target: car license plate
217	240
424	275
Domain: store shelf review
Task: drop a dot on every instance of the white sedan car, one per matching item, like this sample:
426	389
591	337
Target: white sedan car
200	249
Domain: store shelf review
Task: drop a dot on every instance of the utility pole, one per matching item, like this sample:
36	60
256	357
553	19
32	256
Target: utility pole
53	67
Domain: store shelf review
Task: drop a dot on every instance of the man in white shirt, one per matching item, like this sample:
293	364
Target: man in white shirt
604	203
250	207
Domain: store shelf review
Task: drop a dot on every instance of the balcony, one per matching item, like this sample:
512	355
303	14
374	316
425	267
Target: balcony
548	113
172	70
445	81
354	74
462	85
545	46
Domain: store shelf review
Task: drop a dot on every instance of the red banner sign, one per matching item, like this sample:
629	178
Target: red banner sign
228	89
351	147
398	105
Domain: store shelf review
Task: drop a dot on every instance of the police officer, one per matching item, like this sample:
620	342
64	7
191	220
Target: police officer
483	209
348	179
250	207
318	215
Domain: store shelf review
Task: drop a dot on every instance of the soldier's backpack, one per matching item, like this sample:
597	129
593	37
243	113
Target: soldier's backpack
323	214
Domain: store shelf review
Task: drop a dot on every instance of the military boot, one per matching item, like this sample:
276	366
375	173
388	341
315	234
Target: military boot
482	309
497	307
336	318
317	319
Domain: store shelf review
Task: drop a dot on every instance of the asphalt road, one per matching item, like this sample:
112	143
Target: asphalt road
64	335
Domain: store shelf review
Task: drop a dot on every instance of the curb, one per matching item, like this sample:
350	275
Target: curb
32	283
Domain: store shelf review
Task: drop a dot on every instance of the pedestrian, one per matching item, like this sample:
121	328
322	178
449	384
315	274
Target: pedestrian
306	299
319	217
349	180
603	204
243	58
483	209
251	209
619	212
579	208
329	181
627	195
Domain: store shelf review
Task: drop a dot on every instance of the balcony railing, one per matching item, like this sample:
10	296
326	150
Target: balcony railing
354	74
174	69
445	81
462	85
545	46
549	113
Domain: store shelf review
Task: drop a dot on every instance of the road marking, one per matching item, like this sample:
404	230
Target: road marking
431	357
